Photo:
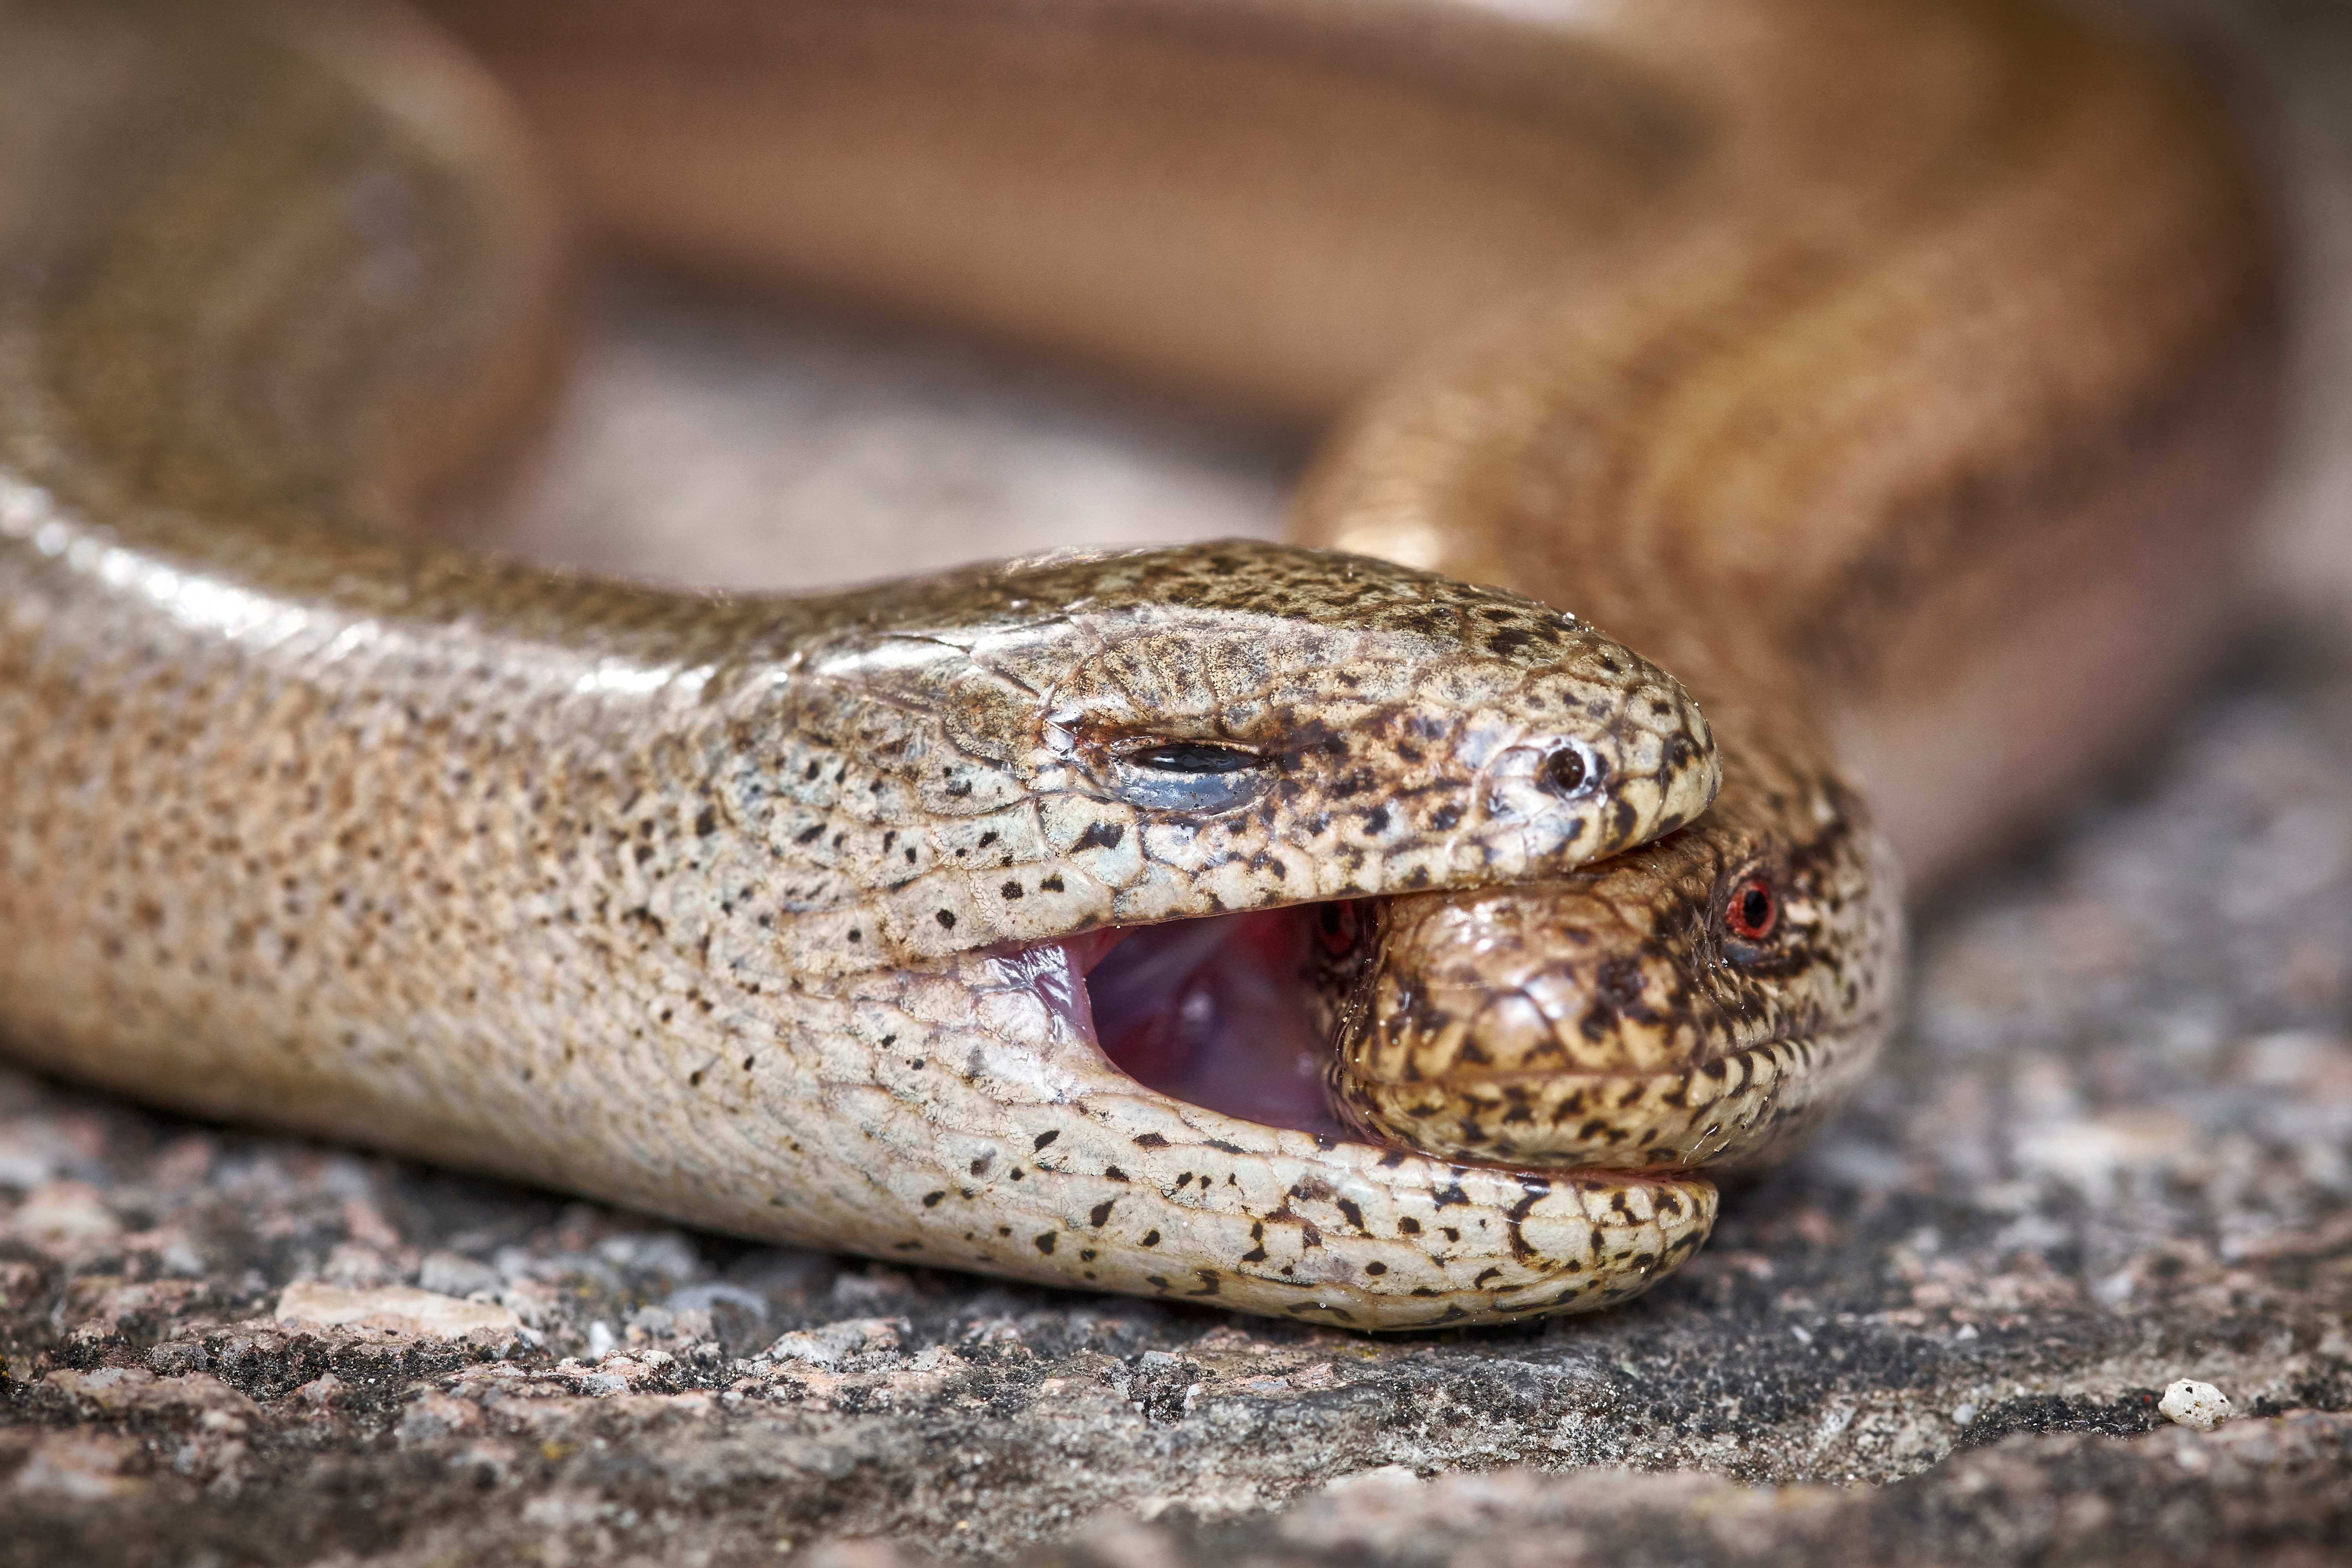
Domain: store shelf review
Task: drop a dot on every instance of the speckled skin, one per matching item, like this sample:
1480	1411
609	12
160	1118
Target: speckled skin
1932	524
1911	373
710	906
1617	1019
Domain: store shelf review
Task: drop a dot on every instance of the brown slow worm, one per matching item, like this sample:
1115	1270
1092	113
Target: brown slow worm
1895	379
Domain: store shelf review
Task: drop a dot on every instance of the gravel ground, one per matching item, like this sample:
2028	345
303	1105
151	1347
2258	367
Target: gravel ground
2112	1150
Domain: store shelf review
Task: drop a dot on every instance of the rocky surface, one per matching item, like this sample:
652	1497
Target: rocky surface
2112	1150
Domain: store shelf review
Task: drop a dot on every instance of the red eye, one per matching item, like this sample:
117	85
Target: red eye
1752	911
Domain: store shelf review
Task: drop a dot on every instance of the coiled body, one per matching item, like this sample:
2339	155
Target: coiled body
1860	372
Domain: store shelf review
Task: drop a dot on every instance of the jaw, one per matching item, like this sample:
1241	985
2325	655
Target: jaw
1168	1134
1743	1106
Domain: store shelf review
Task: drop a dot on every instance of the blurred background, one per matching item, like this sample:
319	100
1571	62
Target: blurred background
716	443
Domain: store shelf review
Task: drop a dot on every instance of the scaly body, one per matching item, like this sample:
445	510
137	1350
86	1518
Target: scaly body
1830	358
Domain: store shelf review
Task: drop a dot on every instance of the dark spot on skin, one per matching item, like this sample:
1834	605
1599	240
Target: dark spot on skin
1376	1268
1099	1215
1045	1243
1355	1214
1010	890
1113	1173
988	838
1052	884
1151	1239
706	824
932	1200
947	921
1446	818
1101	835
1449	1196
1150	1141
1621	980
979	1166
1377	819
1410	1225
1046	1137
810	835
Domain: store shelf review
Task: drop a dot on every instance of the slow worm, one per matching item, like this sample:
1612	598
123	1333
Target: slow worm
1895	379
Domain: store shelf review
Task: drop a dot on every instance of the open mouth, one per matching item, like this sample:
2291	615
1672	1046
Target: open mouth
1221	1013
1217	1012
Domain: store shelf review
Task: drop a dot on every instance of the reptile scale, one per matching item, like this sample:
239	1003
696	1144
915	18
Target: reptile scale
1292	928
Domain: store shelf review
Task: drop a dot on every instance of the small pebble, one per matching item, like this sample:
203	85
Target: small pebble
1965	1413
2193	1403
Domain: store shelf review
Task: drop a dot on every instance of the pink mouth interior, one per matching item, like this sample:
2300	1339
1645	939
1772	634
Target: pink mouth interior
1215	1012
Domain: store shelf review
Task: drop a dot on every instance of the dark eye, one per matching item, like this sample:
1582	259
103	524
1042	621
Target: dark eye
1569	771
1752	910
1193	757
1191	775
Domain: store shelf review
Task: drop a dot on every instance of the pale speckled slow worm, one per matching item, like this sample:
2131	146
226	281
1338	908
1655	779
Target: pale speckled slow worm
1893	376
